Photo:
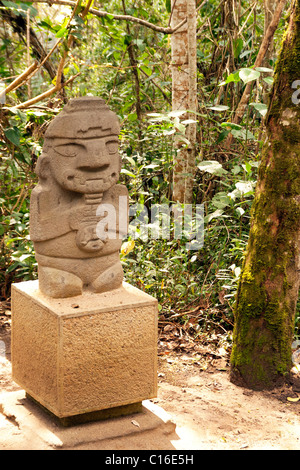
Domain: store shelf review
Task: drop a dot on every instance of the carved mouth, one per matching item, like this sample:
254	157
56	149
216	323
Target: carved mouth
91	183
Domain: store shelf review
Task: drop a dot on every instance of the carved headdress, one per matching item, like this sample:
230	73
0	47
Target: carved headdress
83	118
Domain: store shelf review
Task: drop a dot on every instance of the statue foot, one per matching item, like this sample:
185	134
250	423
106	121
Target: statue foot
59	284
111	279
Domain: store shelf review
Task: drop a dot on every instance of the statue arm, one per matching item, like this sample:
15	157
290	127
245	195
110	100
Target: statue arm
46	224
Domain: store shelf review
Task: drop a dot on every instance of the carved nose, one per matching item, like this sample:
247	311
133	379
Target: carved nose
95	160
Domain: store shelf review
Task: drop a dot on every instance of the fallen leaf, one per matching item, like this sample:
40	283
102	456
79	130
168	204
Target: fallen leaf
294	400
244	446
135	423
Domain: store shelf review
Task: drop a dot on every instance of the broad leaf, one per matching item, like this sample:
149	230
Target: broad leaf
219	107
260	107
248	75
213	167
13	135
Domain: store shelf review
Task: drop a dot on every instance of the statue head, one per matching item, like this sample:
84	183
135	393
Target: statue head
81	147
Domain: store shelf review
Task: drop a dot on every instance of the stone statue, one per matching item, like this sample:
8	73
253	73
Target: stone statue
78	213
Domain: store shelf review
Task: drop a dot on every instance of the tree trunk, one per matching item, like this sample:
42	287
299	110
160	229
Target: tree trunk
184	95
269	284
269	6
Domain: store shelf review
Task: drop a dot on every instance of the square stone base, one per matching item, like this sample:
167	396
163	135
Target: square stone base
87	353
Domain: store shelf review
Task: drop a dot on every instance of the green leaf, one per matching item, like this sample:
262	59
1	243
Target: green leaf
245	187
62	32
176	113
242	134
146	70
269	80
168	5
213	215
132	117
219	107
236	169
248	75
264	69
189	121
233	77
240	211
128	173
212	166
231	125
220	200
260	107
238	45
13	135
247	167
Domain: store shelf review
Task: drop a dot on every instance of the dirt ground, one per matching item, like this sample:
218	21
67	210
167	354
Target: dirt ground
210	412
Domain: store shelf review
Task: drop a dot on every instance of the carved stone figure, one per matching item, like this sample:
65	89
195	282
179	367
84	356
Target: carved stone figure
78	211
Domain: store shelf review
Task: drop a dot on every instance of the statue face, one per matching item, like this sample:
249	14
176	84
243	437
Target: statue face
85	165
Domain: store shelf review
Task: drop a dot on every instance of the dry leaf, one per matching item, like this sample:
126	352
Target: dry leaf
135	423
294	400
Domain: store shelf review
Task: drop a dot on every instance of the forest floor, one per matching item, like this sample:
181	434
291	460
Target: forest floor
209	411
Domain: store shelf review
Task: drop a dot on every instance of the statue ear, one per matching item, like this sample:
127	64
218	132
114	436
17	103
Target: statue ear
42	168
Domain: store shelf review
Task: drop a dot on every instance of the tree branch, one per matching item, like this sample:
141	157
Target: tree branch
260	56
46	94
21	78
104	14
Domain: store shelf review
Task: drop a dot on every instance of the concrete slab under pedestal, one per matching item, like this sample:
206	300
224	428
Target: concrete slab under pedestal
26	426
87	353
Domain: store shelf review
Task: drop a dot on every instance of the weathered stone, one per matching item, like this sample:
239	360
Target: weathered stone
84	354
83	341
78	213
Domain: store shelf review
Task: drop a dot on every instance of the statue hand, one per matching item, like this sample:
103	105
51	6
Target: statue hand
87	239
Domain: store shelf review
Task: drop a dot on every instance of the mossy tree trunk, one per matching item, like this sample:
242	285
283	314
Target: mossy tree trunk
269	284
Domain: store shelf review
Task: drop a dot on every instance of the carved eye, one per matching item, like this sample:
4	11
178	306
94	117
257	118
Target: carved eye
68	150
112	146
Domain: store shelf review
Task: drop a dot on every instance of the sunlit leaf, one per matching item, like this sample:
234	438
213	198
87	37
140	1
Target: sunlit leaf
127	247
219	107
249	75
260	107
264	69
212	166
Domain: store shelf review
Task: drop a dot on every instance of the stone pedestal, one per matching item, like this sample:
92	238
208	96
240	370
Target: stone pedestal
84	354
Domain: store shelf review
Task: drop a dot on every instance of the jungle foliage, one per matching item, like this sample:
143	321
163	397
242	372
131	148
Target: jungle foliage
128	64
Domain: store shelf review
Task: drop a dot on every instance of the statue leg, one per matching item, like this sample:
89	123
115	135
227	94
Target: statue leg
59	284
110	279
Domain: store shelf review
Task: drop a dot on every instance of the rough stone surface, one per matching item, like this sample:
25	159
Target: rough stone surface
83	354
78	213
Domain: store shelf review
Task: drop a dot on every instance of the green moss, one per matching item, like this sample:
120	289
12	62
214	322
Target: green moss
266	297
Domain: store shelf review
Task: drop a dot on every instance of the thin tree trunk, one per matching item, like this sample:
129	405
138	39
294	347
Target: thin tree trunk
269	6
259	59
184	94
269	284
133	63
192	105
